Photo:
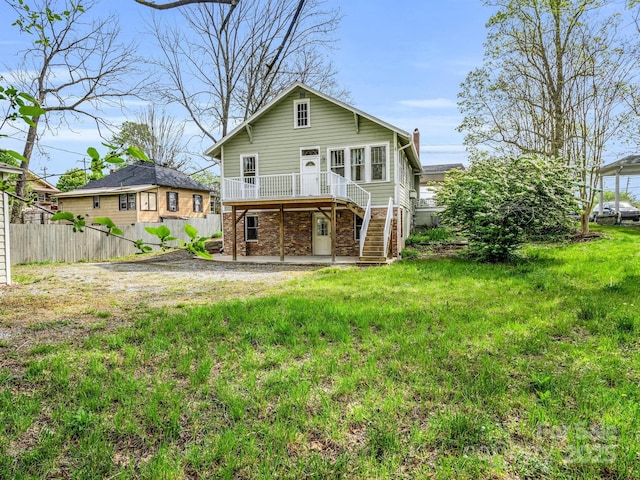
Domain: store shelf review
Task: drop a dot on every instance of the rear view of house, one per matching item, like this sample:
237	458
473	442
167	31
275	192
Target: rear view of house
311	175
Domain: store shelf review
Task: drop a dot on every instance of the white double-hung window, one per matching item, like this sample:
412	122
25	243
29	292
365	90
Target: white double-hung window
379	163
301	113
337	161
368	163
357	158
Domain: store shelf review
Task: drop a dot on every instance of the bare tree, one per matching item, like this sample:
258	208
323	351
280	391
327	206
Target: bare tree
74	66
159	135
557	79
226	67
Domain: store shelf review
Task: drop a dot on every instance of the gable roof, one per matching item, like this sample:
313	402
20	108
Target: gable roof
39	184
406	139
146	174
629	165
6	168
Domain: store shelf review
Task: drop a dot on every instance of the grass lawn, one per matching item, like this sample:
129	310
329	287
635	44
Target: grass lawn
422	369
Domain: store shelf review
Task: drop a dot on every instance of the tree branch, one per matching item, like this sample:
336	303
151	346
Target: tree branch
182	3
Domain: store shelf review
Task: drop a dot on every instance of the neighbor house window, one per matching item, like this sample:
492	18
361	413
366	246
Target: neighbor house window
197	203
249	168
357	164
96	201
358	226
337	161
128	201
379	163
148	201
301	113
172	201
251	228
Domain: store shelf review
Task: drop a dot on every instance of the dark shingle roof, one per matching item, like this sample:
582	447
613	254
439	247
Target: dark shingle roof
443	168
146	173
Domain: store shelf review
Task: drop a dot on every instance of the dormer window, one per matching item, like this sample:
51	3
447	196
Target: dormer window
301	113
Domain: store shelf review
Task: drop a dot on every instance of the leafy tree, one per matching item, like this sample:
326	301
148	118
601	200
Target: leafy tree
72	179
558	79
624	197
499	203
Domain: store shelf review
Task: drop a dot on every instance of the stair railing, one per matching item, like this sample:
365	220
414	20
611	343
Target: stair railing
365	225
387	226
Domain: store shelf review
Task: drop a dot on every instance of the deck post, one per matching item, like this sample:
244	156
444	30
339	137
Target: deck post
333	232
282	232
234	235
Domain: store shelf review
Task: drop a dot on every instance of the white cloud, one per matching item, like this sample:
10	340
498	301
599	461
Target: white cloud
430	103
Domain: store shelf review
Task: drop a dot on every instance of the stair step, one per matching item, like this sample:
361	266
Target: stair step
371	260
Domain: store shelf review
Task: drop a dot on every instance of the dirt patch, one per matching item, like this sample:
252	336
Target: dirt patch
65	302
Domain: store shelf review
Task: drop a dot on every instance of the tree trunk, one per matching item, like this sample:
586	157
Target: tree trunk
584	223
21	184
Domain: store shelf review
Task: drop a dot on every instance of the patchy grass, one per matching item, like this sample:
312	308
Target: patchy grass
422	369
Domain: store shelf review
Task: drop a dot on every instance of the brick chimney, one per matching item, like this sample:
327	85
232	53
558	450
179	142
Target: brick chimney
416	140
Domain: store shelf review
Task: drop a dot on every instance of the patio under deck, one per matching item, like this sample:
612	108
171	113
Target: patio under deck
327	206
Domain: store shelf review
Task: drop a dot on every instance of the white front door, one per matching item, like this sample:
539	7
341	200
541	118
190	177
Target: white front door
310	179
321	235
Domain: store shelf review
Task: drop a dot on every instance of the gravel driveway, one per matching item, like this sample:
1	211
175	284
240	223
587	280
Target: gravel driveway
65	302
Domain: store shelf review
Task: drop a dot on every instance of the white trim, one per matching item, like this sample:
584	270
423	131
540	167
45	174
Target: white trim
7	237
307	102
397	155
367	162
387	166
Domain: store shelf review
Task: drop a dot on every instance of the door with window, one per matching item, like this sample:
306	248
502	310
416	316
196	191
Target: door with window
310	170
321	235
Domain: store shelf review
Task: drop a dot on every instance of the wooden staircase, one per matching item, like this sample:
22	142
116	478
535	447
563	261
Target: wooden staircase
373	251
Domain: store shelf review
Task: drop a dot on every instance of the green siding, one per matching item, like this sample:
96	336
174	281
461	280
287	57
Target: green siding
277	143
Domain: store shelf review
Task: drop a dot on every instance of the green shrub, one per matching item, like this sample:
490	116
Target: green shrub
431	235
409	253
499	203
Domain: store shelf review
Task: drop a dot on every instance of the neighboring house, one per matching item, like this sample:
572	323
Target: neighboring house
427	211
45	197
435	173
5	257
311	175
142	192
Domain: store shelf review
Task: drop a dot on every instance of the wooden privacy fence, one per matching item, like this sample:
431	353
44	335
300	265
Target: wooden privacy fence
58	243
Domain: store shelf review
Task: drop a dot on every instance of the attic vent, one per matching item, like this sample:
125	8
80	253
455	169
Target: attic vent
303	94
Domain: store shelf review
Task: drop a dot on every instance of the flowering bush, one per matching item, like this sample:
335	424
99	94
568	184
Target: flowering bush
499	203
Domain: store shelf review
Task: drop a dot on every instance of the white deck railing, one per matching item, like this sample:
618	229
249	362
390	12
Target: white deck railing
294	185
387	226
365	226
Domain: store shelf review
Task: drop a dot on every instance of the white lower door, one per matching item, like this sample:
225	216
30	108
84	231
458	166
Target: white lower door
321	235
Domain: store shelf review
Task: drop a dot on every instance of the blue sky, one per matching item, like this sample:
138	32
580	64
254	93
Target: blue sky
401	62
403	65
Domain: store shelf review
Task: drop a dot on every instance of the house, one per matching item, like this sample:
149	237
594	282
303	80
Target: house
44	195
435	173
141	192
427	211
310	175
5	257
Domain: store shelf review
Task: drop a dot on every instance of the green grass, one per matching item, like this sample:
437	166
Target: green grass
421	369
